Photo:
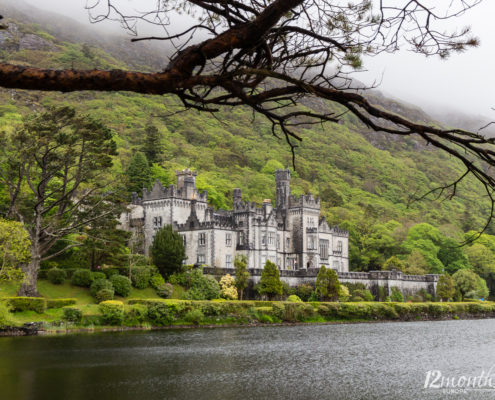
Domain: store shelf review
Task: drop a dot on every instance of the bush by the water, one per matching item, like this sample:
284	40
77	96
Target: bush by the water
37	304
82	277
121	285
294	299
100	284
6	318
136	314
59	303
396	295
72	314
112	312
56	276
194	316
104	295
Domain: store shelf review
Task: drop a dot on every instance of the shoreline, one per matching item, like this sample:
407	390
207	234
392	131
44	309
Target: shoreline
31	331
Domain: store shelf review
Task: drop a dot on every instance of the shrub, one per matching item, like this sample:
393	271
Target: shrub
98	275
396	295
72	314
112	312
37	304
109	272
121	285
167	251
194	316
6	319
294	299
344	293
82	277
56	276
159	314
364	294
228	291
270	283
98	285
304	291
59	303
165	290
156	281
140	277
136	314
104	295
202	287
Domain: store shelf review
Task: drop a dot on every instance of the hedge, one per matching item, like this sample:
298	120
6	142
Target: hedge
59	303
16	304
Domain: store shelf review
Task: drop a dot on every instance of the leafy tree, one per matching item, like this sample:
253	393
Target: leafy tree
241	274
138	173
394	263
327	284
482	260
152	146
270	283
469	284
426	239
445	287
167	251
416	263
228	291
56	168
14	249
452	256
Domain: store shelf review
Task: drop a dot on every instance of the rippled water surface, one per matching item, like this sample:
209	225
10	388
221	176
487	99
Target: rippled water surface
358	361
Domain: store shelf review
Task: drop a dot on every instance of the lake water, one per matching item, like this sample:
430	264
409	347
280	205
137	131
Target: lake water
354	361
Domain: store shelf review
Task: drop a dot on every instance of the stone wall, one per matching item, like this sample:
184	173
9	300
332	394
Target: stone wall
408	284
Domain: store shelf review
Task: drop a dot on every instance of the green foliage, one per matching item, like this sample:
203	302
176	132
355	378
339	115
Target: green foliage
164	290
140	277
445	287
304	291
167	251
104	295
194	316
270	283
159	314
138	173
394	263
59	303
121	285
98	275
152	146
468	283
241	274
6	318
202	287
396	295
17	304
82	277
294	299
72	314
136	314
228	290
14	249
112	312
98	285
156	281
56	276
327	284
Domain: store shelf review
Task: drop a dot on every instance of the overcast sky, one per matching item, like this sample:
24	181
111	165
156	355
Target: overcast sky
464	81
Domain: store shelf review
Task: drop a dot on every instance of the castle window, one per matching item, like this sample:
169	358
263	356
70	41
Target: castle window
241	238
184	240
311	243
202	239
324	244
157	222
278	242
263	239
339	247
228	239
228	261
271	238
336	265
201	259
287	243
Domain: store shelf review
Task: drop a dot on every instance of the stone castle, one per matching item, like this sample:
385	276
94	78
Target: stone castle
291	234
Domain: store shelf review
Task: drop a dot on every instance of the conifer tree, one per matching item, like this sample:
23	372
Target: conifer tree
241	274
270	283
152	146
327	284
139	173
167	251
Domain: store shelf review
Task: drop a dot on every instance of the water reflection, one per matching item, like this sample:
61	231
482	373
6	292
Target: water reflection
368	361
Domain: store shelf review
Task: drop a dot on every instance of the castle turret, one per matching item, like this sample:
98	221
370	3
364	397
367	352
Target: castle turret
237	197
186	183
282	178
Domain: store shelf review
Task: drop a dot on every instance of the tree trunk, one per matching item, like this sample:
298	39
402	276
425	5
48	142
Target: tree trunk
28	286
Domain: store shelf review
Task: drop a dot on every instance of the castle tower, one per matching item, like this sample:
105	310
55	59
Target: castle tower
186	183
282	178
237	197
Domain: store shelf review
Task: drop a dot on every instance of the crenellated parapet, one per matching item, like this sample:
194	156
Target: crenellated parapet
245	206
336	231
304	201
185	189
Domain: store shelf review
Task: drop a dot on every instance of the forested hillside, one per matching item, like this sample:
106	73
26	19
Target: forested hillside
368	181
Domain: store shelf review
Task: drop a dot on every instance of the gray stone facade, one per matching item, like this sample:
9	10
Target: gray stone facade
292	234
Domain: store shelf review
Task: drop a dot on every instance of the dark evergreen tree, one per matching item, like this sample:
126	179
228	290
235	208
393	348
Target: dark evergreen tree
241	274
167	251
270	283
152	146
138	173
